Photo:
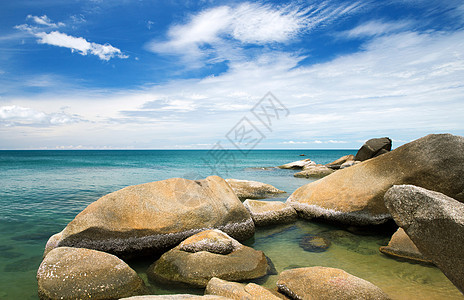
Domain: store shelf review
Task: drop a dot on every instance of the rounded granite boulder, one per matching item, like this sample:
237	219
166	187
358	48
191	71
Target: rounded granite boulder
270	212
401	246
314	171
150	218
77	273
209	254
320	283
354	195
238	291
247	189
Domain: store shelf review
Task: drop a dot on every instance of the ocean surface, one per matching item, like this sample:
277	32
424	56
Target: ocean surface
41	191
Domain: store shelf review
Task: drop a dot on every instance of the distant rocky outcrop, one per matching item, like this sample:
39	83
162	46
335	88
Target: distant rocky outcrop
153	217
336	164
297	164
238	291
270	212
77	273
354	195
247	189
435	223
401	246
314	171
209	254
326	283
373	148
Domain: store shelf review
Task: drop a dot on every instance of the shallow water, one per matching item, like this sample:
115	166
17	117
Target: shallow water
41	191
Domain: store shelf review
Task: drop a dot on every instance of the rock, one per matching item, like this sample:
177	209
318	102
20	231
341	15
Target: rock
355	195
336	164
314	171
373	148
313	243
197	268
153	217
297	164
270	212
247	189
435	223
349	164
302	155
326	283
238	291
401	246
176	297
77	273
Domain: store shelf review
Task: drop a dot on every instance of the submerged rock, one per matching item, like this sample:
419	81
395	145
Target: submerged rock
313	243
336	164
153	217
401	246
435	223
355	195
314	171
298	164
373	148
247	189
270	212
197	268
238	291
77	273
326	283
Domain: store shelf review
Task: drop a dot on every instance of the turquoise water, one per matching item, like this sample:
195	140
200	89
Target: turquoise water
41	191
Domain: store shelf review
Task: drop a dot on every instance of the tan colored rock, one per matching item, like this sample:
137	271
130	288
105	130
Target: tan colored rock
247	189
336	164
355	195
349	164
314	171
77	273
176	297
320	283
401	246
297	164
238	291
152	217
435	223
270	212
197	268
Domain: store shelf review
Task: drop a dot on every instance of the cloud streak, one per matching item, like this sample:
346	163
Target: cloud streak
24	116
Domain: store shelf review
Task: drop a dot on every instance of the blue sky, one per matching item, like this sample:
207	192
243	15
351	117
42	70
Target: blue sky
122	74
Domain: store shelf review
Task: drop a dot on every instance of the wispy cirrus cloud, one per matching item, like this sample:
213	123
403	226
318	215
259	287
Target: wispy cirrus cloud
75	44
14	115
219	33
377	28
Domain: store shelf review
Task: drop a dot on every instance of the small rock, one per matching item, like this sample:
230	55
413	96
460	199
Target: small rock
349	164
314	171
247	189
270	212
401	246
297	164
336	164
320	283
373	148
313	243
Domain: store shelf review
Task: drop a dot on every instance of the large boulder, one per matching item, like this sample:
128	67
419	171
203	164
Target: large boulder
247	189
299	164
373	148
355	195
209	254
270	212
176	297
435	223
77	273
153	217
326	283
336	164
401	246
238	291
314	171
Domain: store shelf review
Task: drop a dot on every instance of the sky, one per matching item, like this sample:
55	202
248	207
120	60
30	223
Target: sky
139	74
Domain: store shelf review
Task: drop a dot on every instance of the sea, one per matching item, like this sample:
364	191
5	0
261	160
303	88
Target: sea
42	191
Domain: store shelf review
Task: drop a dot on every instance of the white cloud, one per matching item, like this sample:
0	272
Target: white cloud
79	44
23	116
294	143
375	28
219	33
45	21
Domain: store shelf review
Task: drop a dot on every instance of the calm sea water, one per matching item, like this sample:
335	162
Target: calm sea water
41	191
